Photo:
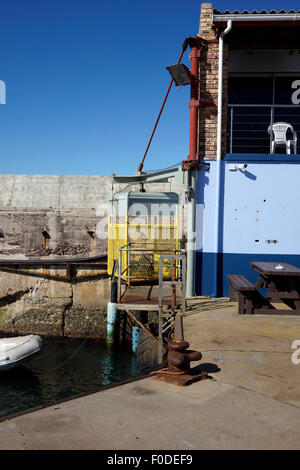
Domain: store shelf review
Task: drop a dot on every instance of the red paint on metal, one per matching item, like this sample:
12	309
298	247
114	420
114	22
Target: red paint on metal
140	167
196	44
194	104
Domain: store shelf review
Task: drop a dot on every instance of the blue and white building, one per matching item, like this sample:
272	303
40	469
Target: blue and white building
248	191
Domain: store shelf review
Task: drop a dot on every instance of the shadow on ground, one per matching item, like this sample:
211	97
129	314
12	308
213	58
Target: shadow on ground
208	367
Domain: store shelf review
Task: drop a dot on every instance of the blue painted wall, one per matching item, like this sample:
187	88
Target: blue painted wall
259	204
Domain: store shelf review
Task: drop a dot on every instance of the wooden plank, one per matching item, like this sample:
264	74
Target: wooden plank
232	294
283	295
269	268
249	306
240	283
241	304
259	283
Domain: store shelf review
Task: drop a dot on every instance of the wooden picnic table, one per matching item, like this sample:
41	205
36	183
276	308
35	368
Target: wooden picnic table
283	283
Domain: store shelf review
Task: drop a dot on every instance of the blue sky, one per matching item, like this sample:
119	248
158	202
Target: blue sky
85	81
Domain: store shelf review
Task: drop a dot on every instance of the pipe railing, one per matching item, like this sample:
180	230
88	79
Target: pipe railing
247	126
140	260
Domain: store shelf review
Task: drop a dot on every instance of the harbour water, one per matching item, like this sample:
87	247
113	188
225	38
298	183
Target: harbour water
66	367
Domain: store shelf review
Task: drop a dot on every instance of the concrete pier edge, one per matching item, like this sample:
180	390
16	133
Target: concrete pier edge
74	397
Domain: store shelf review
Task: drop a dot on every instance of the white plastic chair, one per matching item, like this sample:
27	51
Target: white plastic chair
278	131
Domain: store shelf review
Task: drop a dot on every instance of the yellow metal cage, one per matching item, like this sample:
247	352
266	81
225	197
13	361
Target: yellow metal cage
141	226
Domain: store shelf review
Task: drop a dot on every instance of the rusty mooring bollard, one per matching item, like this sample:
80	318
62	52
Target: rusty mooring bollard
179	358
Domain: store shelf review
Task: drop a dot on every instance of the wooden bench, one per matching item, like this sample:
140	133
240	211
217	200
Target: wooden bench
246	292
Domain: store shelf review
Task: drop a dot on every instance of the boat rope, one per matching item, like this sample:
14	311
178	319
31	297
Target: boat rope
166	371
77	350
73	354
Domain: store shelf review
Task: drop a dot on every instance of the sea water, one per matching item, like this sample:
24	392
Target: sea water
65	368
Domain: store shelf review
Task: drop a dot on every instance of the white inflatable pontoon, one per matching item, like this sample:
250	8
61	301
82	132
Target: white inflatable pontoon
15	351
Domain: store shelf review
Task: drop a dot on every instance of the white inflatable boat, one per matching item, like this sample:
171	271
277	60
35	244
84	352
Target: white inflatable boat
15	351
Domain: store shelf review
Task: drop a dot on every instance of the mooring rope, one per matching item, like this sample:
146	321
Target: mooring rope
73	354
77	350
166	371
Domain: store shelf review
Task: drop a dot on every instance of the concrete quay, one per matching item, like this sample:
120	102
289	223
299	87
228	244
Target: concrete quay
252	400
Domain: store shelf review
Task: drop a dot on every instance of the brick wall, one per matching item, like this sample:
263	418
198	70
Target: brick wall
208	112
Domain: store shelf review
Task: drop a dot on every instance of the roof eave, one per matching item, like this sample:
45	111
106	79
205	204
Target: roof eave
293	17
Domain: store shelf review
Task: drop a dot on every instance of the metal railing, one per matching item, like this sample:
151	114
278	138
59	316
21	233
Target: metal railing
247	126
139	261
165	323
165	262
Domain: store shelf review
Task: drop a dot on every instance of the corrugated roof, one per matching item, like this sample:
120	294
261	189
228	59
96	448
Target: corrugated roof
246	16
255	12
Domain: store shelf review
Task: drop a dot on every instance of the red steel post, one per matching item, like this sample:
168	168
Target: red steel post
193	156
194	103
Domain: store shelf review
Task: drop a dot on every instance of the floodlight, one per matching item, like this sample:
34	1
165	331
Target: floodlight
180	74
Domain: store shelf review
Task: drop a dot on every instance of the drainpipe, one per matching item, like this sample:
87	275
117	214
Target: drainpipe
191	164
219	149
194	102
190	254
220	88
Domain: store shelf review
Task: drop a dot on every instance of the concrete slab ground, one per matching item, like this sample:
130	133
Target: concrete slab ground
252	400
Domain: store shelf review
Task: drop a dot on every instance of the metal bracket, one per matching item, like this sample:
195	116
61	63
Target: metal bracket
194	104
161	176
190	165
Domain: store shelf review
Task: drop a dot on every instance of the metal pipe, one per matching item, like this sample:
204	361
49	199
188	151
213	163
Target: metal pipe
192	174
194	102
219	154
220	89
190	255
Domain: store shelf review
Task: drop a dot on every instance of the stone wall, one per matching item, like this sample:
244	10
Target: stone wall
208	111
36	305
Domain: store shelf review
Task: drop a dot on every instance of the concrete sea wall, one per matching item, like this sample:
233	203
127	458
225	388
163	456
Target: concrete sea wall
33	304
52	216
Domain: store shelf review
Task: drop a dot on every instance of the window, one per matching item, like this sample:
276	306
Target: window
256	102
